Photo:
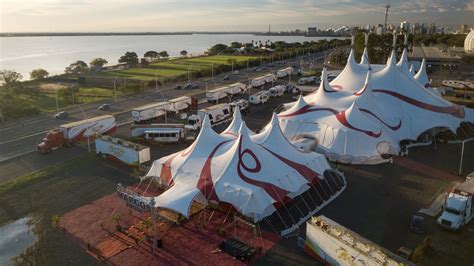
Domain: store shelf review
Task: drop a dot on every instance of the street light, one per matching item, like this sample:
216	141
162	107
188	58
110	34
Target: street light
115	89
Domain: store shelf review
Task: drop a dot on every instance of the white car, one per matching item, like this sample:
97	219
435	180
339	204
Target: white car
235	72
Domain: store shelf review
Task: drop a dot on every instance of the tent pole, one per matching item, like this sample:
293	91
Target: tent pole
146	189
273	228
284	206
300	194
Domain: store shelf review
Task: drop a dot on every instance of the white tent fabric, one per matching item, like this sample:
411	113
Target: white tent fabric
237	169
421	75
373	109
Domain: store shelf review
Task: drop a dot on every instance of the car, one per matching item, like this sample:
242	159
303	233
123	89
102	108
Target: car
257	69
236	72
104	107
178	87
61	115
226	77
417	224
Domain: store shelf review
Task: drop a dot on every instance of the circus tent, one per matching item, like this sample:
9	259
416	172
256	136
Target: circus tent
238	167
364	114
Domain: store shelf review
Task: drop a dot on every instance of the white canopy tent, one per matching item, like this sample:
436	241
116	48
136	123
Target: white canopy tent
364	114
238	167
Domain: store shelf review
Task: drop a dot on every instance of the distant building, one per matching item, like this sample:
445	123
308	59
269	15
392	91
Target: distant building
379	30
469	43
464	29
312	31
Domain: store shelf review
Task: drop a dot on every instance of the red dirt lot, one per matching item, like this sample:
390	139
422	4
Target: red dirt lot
192	242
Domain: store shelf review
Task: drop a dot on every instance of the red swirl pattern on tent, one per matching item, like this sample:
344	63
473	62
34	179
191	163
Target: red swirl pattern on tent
454	110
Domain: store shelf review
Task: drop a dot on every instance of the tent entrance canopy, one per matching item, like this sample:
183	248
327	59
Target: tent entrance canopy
179	198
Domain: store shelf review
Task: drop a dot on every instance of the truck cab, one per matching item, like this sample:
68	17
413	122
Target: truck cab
54	139
457	211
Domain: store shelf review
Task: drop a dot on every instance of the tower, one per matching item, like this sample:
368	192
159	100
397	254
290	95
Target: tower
387	6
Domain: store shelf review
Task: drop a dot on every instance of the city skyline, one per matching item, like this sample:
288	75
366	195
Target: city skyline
211	15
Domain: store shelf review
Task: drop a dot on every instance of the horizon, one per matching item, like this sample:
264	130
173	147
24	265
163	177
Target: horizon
66	16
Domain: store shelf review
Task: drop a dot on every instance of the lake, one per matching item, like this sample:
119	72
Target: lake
54	53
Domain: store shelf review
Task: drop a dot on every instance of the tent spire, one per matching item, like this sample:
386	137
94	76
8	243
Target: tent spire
421	75
365	54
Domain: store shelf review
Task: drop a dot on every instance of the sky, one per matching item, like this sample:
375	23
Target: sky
220	15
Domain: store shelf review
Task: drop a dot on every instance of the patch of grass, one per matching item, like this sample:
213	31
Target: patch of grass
54	191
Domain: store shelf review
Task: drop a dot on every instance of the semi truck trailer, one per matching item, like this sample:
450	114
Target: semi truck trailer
69	134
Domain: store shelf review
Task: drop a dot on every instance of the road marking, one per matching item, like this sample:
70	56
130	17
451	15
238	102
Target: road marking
24	137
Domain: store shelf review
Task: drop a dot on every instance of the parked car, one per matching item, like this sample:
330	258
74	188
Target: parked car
236	72
61	115
226	77
178	87
417	224
191	86
104	107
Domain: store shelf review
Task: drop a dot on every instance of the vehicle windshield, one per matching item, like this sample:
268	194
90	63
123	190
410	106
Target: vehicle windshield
192	122
453	211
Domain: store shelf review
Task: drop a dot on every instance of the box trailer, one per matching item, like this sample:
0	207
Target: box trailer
150	113
284	72
226	91
124	151
457	208
217	114
258	82
181	104
333	244
69	134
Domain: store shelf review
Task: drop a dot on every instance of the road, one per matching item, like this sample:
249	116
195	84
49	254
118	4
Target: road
22	137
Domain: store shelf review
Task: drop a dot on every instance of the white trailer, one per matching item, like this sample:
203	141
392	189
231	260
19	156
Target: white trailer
217	114
150	113
458	210
223	92
124	151
284	72
182	103
241	103
333	244
276	91
258	82
269	78
260	97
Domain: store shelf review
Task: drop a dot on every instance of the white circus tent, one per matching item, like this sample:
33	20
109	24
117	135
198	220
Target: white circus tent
254	173
363	126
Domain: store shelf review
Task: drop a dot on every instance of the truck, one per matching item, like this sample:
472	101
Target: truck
69	134
276	91
241	103
223	92
258	82
269	78
284	72
182	103
150	113
217	114
457	208
260	97
333	244
126	152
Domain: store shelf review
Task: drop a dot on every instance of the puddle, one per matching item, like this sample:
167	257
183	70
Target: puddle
14	238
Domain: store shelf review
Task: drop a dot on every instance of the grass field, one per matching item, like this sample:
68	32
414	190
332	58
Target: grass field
56	190
180	67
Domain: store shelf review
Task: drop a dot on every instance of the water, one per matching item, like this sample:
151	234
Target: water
14	238
24	54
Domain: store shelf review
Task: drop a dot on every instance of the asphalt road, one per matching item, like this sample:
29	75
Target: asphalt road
22	137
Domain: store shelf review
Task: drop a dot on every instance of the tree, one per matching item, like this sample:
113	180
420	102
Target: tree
10	76
235	45
218	48
78	67
129	58
98	62
151	54
184	53
163	54
38	74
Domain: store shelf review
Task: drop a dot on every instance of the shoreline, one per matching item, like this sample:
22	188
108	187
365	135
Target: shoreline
72	34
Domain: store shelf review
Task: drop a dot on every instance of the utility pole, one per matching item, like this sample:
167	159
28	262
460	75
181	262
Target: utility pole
462	155
57	104
115	90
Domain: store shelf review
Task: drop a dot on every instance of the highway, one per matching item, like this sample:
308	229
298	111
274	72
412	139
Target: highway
22	137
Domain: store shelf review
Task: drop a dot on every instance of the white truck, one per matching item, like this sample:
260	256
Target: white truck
150	113
457	209
124	151
226	91
84	130
284	72
260	97
217	114
182	103
276	91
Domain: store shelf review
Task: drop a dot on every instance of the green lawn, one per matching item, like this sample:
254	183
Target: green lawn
179	67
